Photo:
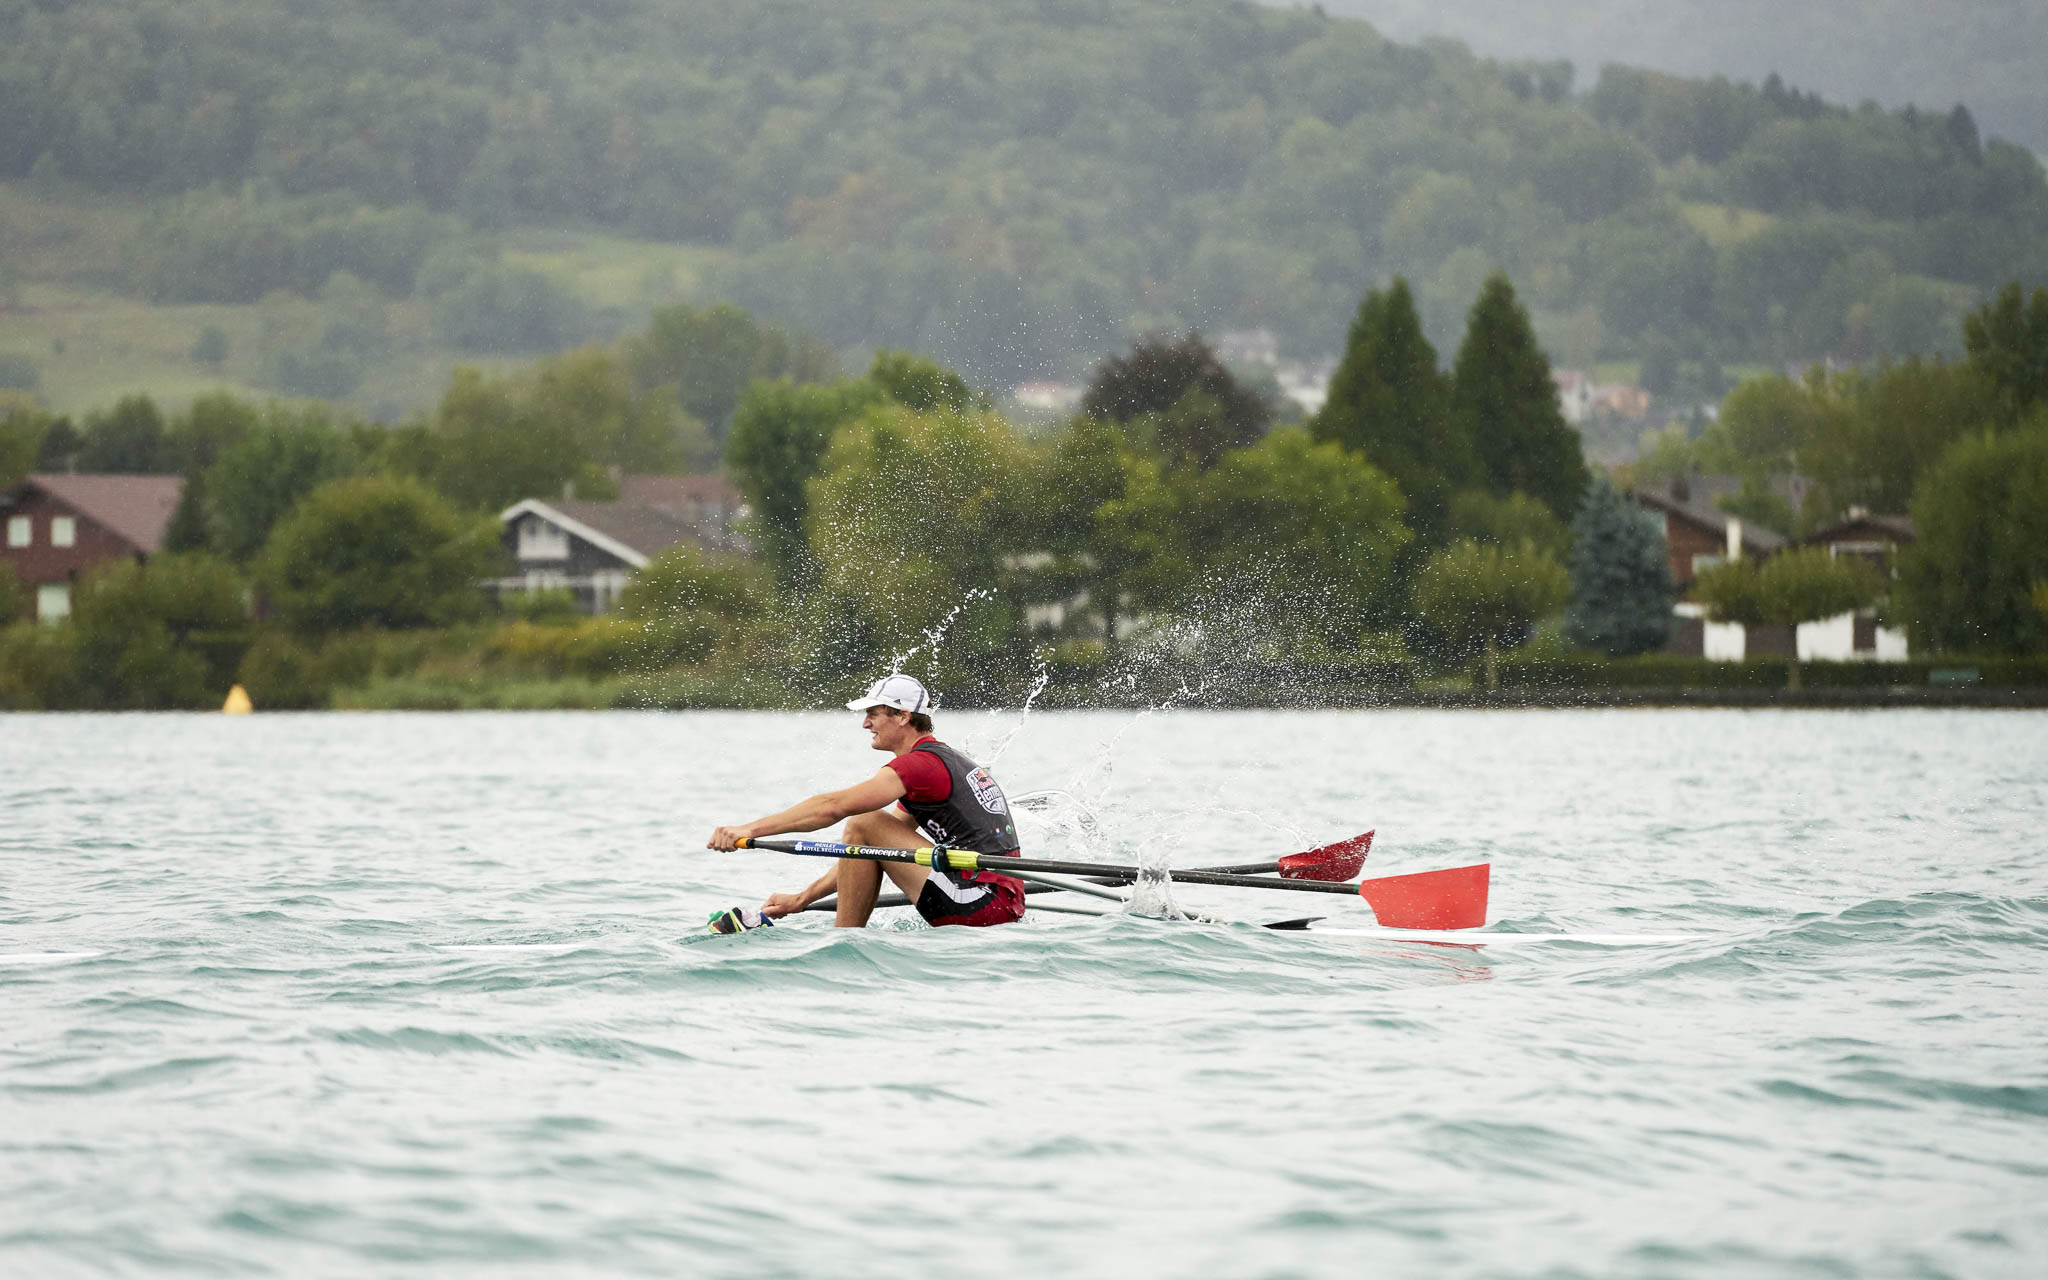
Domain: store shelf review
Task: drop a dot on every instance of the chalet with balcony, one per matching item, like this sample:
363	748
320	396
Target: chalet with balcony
1853	637
53	528
592	549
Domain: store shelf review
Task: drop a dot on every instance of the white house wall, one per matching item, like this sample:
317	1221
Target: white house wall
1834	640
1724	642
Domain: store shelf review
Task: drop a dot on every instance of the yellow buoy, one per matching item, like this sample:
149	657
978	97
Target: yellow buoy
238	703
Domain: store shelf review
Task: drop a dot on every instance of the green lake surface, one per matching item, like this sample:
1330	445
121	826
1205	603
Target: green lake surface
368	995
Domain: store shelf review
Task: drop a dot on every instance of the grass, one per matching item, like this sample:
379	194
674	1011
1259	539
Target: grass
93	343
478	693
613	271
1725	224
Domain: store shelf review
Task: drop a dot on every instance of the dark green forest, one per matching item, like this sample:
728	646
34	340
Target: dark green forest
1987	53
1016	187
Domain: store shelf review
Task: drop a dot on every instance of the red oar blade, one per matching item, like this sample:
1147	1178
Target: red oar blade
1452	899
1333	862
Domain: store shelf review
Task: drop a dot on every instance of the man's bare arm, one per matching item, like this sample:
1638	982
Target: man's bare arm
878	792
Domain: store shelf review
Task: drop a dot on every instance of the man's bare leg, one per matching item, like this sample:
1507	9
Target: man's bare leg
860	881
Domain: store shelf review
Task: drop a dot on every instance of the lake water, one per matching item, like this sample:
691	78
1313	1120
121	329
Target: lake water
277	1064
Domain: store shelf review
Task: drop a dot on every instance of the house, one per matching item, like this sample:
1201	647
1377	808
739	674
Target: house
709	505
1574	395
1698	536
59	526
589	548
1857	636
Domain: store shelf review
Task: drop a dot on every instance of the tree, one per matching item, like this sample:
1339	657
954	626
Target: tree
1481	596
211	347
778	441
1503	402
689	580
1507	522
1306	531
256	481
60	448
2007	339
1198	409
1803	584
127	440
1874	435
709	355
923	385
911	518
215	423
588	392
376	551
1621	576
492	445
149	635
1388	402
1980	543
22	428
1765	422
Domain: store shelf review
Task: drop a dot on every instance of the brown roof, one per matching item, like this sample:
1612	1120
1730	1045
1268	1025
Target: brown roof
676	491
138	508
647	530
1887	528
1755	537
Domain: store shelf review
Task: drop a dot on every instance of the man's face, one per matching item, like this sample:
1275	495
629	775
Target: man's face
881	724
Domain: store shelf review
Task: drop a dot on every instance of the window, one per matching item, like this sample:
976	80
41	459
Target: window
63	531
53	601
1705	561
539	540
19	531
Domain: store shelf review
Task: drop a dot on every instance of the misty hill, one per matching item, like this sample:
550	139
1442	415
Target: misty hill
1014	186
1987	54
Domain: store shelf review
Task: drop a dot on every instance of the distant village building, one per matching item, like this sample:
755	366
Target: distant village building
59	526
1308	385
1574	395
1047	399
1248	348
1631	403
593	549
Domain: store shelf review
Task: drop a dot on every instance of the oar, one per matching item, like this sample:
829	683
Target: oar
1452	899
1334	862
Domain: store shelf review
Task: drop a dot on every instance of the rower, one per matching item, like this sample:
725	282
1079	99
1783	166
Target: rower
943	798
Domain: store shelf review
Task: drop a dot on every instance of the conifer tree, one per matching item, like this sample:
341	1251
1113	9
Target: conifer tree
1621	578
1389	402
1504	403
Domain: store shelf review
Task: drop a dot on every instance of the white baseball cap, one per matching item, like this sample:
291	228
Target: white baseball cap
902	692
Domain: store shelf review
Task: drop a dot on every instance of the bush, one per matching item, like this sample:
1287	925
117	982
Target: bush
38	668
161	635
280	674
16	600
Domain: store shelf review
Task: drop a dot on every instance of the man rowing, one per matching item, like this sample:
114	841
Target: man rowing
944	799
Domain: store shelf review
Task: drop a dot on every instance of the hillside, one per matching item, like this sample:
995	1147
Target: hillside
368	192
1987	54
